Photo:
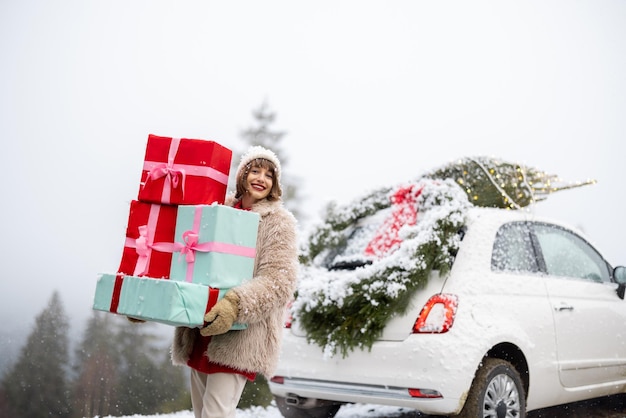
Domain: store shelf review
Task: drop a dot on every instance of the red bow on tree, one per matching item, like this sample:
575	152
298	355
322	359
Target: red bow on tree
404	203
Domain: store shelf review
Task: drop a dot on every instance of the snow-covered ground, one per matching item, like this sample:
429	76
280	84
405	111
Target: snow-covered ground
346	411
611	407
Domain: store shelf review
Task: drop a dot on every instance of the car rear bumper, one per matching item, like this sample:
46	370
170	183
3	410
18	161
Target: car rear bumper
383	375
296	389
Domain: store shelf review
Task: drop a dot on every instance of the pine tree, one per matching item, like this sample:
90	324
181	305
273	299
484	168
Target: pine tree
37	385
492	182
147	384
262	133
136	369
5	408
173	390
97	359
123	370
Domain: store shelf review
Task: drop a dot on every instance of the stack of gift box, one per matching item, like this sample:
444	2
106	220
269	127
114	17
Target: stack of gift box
184	248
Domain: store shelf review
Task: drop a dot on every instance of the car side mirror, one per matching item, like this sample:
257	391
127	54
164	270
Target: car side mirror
619	274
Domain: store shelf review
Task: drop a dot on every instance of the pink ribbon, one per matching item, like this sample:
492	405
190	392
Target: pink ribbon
175	174
190	245
144	244
172	174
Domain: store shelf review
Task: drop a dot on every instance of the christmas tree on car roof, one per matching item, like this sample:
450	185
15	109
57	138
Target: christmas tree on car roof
342	312
490	182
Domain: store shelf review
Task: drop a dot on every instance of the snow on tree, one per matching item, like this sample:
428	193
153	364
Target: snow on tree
262	133
37	385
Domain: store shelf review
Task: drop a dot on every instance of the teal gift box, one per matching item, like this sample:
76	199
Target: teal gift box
214	245
158	300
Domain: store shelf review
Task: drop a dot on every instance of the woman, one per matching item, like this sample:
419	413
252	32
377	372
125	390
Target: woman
221	360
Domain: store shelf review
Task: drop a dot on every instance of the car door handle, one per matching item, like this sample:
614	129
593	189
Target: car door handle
564	307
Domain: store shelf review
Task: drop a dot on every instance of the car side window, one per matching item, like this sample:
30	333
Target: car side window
568	255
513	249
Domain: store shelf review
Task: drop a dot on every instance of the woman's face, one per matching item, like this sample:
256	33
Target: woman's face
259	183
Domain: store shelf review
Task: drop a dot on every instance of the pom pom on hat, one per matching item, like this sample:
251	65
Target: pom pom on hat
255	152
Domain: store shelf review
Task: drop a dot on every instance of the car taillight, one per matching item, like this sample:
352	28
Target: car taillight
424	393
437	315
278	379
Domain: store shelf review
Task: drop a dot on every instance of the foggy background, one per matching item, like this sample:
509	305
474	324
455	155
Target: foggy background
369	93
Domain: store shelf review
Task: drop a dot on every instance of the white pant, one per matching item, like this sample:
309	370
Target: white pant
215	395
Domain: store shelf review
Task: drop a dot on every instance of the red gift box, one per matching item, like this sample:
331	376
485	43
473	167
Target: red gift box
149	240
182	171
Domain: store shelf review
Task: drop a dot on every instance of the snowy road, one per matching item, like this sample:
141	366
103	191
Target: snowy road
611	407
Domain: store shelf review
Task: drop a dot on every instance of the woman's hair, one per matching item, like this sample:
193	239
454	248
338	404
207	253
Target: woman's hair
275	192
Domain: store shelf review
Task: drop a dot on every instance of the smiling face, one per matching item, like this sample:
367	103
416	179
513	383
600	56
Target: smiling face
248	183
258	183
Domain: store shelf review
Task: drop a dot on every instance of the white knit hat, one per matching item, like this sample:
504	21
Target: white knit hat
255	152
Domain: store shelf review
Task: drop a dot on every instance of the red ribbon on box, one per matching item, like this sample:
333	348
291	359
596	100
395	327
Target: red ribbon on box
117	291
214	294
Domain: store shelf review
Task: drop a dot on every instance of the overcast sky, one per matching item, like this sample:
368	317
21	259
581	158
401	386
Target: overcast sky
369	92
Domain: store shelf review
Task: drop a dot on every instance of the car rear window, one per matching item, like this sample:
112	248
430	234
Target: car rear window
513	250
351	252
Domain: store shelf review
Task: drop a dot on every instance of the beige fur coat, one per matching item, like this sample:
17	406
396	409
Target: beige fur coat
262	300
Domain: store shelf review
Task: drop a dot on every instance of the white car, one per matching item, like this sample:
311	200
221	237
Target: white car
530	316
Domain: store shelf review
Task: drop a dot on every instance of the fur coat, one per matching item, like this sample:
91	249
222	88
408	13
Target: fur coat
262	300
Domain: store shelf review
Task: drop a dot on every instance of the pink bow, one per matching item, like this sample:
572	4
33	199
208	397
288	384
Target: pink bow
142	246
173	176
168	170
191	246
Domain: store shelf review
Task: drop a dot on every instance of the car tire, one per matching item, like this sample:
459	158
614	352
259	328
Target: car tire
292	411
497	392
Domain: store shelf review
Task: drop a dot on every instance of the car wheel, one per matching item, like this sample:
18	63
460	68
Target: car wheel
288	410
497	392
